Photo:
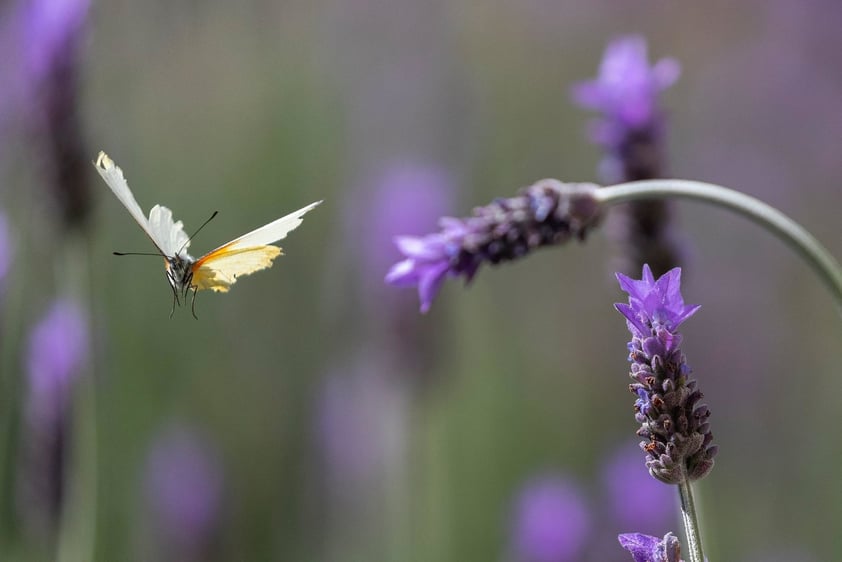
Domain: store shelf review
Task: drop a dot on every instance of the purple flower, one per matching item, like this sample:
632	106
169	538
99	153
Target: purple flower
676	430
58	351
407	200
551	521
57	355
626	90
545	213
654	304
631	132
51	28
637	501
52	36
645	548
184	490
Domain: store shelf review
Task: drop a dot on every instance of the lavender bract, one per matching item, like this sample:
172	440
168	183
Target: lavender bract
645	548
626	94
546	213
676	430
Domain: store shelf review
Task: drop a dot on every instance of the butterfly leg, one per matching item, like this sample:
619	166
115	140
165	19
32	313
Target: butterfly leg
193	304
174	296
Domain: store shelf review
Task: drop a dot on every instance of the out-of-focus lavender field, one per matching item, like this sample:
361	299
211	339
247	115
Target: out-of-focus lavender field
313	413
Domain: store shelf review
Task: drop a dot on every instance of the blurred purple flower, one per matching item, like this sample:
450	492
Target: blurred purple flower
51	28
551	521
631	132
645	548
676	430
184	492
51	33
361	410
546	213
408	199
626	90
58	351
636	499
57	355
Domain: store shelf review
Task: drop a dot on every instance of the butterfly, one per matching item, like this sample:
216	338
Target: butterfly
218	269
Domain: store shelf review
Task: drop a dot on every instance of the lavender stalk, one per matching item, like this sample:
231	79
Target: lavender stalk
673	424
551	212
546	213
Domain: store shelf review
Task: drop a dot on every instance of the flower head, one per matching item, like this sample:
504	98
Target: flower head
552	522
631	132
645	548
545	213
654	303
626	90
676	430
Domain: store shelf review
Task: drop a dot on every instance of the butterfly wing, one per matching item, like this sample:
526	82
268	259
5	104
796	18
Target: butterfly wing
219	269
272	232
167	235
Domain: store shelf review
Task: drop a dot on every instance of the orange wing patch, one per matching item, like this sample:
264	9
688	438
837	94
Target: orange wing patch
219	269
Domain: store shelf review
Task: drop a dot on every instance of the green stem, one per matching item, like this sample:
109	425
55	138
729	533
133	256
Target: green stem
691	524
793	234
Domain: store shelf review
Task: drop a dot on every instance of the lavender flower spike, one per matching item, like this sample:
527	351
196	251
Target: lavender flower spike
631	130
676	430
626	94
645	548
546	213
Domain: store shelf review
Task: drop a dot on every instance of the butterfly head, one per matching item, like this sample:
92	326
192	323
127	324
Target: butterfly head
180	273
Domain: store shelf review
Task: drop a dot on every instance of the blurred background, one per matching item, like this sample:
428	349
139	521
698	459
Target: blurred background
312	413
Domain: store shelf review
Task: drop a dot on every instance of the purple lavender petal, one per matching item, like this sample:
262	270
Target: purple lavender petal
627	87
639	545
645	548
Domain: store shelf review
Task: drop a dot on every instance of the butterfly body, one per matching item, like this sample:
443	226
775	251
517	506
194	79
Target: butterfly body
218	269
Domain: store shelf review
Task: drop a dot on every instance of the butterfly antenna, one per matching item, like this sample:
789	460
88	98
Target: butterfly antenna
197	232
135	254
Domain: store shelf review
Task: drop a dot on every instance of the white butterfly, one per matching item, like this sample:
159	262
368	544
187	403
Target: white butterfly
217	270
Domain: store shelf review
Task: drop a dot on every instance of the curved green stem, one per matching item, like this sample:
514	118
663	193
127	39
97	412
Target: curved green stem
792	233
